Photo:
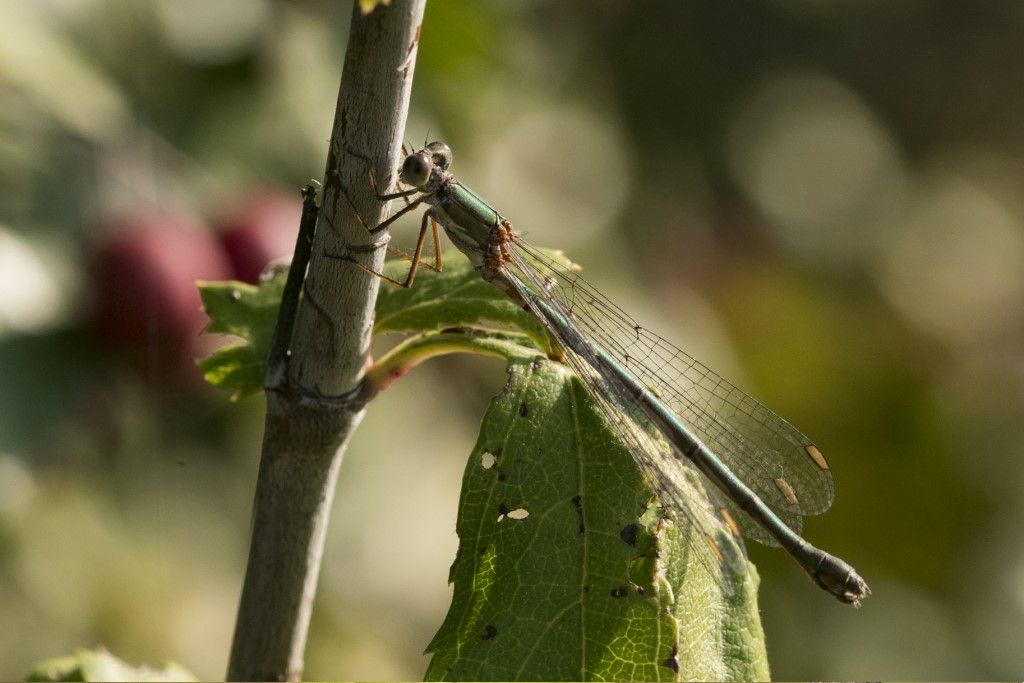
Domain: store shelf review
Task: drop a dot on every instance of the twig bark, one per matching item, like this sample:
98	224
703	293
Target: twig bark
305	437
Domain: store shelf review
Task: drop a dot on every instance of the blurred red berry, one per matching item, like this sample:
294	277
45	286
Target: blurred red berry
146	267
260	229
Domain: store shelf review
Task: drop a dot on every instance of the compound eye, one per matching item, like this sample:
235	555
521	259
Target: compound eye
416	170
440	154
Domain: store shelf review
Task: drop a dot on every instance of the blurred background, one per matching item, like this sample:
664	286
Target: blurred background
823	201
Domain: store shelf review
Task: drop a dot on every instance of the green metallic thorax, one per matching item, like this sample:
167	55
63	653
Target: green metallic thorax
466	218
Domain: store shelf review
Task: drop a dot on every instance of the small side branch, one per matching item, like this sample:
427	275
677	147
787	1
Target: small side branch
277	359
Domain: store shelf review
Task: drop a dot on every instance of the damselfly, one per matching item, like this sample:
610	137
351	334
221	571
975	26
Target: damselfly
763	474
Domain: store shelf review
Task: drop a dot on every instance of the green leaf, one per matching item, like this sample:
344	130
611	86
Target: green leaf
590	583
455	296
100	665
236	367
250	313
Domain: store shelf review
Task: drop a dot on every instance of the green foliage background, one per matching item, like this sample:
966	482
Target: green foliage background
821	200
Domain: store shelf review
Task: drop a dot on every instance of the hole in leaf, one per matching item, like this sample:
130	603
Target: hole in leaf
517	514
673	660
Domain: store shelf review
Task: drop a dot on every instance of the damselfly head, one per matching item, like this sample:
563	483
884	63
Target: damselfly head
426	165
